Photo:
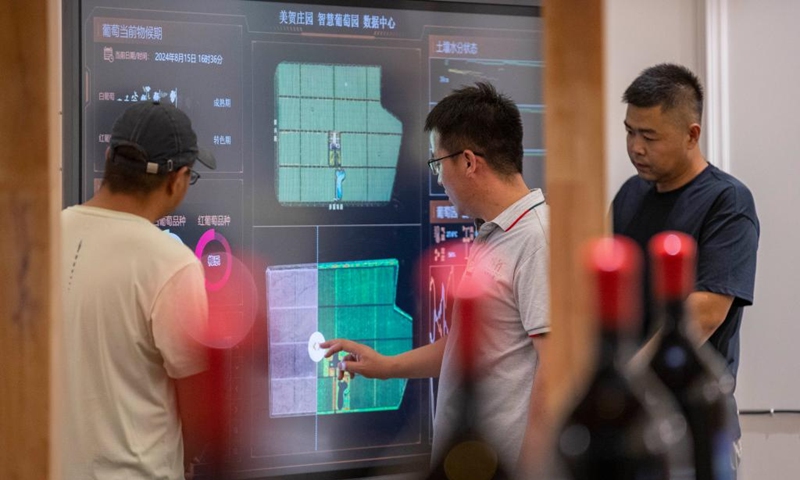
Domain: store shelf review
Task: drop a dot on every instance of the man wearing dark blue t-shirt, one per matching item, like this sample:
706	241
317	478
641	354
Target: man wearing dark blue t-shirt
677	189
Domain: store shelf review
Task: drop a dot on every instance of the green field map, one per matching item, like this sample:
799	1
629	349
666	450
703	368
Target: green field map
353	300
335	143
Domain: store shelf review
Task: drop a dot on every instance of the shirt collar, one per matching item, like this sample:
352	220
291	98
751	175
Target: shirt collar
511	215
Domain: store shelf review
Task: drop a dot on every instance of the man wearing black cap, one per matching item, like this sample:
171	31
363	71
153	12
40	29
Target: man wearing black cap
134	302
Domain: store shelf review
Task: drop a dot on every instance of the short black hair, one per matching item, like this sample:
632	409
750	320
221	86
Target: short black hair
121	175
481	119
669	86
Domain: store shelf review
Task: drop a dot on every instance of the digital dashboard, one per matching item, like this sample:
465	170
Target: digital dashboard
322	219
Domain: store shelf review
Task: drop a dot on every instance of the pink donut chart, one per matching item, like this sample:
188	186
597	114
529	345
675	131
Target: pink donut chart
205	239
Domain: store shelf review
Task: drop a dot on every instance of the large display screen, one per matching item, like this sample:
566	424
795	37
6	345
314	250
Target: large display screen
322	219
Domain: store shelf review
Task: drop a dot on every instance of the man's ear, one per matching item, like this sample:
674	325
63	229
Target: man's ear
694	135
472	161
175	181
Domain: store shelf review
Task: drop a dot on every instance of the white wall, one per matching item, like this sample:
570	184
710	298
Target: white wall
765	154
640	34
764	68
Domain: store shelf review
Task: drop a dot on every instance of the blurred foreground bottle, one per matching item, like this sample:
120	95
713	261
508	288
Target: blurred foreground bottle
612	434
696	375
468	454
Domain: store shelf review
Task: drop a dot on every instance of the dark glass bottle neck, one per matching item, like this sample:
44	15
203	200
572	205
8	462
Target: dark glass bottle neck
610	342
673	313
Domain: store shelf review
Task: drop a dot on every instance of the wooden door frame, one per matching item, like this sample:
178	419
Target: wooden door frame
30	199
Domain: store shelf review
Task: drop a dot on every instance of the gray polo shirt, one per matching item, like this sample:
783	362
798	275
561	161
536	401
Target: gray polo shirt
509	263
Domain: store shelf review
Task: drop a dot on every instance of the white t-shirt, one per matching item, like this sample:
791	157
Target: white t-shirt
133	297
508	263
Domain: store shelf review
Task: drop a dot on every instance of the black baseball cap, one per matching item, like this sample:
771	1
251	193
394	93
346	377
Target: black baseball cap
162	134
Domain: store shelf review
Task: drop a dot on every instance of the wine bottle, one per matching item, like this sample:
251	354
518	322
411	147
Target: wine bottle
695	374
468	455
611	433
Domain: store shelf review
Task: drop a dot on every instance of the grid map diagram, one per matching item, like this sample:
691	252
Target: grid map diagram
335	143
354	300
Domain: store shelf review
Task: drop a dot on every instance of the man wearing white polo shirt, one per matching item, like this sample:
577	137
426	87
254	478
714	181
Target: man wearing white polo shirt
476	139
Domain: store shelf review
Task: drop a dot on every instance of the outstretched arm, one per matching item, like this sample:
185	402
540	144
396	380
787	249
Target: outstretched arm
422	362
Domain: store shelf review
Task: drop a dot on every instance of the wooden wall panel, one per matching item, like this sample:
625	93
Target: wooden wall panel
575	181
29	201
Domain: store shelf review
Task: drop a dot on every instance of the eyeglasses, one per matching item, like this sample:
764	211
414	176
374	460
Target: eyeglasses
193	177
435	163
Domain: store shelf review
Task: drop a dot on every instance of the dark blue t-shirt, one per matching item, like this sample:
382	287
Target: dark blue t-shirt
718	211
